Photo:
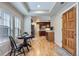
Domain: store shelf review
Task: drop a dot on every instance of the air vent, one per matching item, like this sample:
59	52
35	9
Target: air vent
62	3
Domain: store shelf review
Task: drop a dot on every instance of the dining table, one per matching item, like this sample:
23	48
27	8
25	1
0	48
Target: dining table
25	40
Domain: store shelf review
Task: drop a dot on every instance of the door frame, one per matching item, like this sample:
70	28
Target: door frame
74	5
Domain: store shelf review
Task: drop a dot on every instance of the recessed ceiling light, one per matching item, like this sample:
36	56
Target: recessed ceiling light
38	6
39	12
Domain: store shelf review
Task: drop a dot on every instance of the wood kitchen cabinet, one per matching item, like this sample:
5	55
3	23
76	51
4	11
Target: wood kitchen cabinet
42	27
42	33
50	36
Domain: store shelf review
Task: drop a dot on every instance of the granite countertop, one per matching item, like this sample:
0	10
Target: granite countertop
49	31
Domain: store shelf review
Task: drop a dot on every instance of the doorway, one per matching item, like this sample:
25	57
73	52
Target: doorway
69	31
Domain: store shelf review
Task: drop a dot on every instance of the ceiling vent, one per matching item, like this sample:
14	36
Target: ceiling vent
62	3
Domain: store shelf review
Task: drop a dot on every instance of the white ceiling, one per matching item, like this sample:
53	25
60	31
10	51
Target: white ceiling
20	7
45	7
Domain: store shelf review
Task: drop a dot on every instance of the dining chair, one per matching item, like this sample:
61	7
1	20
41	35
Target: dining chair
19	49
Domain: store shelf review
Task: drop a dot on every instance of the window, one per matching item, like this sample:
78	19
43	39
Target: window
1	24
17	26
5	25
7	28
11	26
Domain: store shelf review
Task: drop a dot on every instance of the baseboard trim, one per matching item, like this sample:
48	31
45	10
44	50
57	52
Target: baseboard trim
63	48
57	45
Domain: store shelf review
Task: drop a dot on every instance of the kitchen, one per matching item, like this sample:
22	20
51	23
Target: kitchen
43	28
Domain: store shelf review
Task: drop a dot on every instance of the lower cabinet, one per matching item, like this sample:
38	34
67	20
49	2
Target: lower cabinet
50	36
42	33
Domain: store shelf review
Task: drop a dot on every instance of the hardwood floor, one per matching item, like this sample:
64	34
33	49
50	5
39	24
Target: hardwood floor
41	47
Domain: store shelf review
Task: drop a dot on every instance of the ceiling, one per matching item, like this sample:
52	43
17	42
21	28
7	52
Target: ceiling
39	8
20	7
34	8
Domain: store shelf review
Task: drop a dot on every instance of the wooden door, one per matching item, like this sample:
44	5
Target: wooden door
69	31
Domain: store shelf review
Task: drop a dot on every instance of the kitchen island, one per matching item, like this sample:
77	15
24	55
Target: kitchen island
48	33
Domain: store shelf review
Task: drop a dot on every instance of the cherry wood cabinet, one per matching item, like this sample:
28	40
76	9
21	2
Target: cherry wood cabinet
42	27
42	33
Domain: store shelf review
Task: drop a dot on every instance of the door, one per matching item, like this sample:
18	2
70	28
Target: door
69	31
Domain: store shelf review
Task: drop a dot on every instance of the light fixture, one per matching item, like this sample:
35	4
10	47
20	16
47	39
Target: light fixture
39	12
38	6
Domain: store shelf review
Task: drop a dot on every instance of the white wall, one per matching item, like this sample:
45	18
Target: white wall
57	23
57	30
44	18
52	19
5	47
27	24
